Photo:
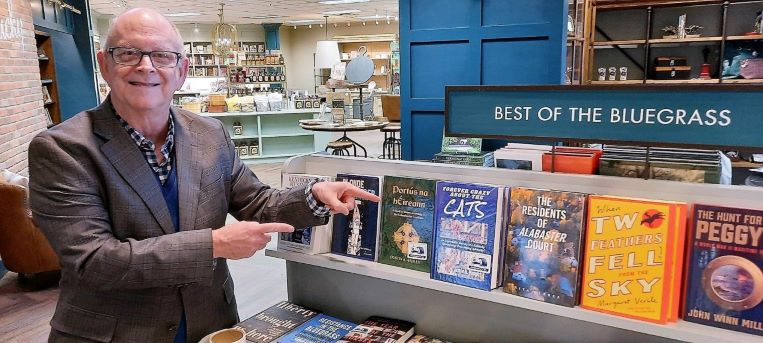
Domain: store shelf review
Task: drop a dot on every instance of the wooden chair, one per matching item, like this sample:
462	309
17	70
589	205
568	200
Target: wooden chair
391	144
341	148
23	247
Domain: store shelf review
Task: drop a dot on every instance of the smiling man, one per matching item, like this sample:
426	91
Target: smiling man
133	196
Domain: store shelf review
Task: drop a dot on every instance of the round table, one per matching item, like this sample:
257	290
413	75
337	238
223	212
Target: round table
356	126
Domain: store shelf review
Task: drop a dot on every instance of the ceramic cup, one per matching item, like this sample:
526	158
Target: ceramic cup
228	336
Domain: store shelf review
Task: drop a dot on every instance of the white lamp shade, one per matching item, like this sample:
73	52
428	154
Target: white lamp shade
326	54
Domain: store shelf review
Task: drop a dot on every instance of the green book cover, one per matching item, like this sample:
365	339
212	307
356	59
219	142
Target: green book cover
407	223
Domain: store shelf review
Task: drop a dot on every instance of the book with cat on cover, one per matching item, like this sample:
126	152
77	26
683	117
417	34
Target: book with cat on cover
724	283
356	234
468	239
312	239
634	257
377	329
543	245
275	321
320	329
407	223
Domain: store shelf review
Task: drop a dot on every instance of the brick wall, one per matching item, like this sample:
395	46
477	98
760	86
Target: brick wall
21	109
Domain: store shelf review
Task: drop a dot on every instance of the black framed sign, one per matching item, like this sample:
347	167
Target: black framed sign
717	116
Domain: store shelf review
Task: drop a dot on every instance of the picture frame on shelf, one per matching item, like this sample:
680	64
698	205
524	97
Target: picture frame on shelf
46	95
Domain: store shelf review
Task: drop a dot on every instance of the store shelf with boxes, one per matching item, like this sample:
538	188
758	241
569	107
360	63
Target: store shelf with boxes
262	127
669	42
379	50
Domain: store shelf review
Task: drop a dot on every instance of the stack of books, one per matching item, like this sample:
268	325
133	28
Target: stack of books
688	165
464	151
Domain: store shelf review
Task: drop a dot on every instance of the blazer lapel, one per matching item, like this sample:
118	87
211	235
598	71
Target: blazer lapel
130	163
188	170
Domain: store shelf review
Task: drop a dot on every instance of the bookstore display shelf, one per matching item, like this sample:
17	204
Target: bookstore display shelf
354	289
277	133
682	331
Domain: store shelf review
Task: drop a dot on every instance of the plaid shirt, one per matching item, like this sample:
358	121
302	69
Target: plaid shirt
147	147
319	209
163	170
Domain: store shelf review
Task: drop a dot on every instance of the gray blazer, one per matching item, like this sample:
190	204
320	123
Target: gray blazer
126	275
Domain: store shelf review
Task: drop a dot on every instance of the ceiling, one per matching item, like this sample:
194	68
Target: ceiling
288	12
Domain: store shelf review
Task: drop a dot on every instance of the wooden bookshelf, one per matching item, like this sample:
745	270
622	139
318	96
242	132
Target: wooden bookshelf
48	82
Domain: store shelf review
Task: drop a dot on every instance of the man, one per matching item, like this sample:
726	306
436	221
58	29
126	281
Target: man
128	194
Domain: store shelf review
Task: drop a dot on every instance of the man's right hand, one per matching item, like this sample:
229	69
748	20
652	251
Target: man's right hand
243	239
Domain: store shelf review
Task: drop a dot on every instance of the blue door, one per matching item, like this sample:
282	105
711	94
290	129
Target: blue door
471	42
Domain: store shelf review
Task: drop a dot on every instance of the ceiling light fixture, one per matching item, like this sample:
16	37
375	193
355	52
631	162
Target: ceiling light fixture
195	27
340	12
340	2
182	14
224	36
326	51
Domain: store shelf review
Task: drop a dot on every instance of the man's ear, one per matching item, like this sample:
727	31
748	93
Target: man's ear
183	72
101	57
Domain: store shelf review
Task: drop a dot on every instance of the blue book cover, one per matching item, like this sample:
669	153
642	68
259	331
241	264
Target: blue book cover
311	239
543	245
724	284
320	329
356	234
468	234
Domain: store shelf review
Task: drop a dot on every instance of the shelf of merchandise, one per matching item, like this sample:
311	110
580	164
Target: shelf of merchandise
377	47
617	82
276	132
354	289
679	82
720	8
47	65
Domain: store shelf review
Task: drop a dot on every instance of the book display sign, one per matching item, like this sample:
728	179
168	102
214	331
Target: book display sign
701	116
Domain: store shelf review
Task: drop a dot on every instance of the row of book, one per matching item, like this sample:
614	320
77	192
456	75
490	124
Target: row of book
286	322
674	164
643	259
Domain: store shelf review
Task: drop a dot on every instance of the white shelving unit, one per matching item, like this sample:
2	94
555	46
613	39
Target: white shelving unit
354	289
276	132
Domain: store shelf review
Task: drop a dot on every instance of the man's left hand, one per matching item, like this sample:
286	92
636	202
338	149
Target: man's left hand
339	197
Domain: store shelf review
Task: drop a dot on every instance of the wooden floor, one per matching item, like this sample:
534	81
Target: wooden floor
260	281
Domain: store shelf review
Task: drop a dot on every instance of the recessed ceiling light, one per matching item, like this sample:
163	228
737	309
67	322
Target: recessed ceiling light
341	12
339	2
182	14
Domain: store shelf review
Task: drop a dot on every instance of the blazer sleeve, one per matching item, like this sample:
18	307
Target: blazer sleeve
253	200
68	206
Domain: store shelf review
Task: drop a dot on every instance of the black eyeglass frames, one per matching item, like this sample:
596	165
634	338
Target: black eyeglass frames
132	57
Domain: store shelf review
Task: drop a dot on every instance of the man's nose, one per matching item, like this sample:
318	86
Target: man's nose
145	62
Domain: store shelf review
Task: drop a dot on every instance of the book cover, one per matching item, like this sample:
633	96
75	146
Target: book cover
468	219
724	283
311	239
275	321
633	257
356	234
460	145
543	245
407	223
320	329
377	329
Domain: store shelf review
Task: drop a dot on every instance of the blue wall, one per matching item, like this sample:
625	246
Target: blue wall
72	52
472	42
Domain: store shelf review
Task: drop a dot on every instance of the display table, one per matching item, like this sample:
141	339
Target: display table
353	289
355	126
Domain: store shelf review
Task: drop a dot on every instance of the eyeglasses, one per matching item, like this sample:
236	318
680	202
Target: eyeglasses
132	57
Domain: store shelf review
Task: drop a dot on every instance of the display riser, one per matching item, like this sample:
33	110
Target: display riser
354	290
439	314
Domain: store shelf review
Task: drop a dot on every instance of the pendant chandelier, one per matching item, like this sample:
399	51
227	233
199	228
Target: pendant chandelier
326	51
224	36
